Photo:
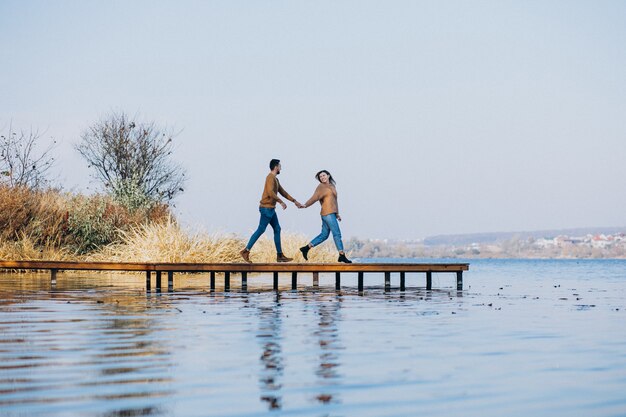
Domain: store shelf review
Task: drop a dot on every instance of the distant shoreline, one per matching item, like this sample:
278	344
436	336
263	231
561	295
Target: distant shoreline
599	243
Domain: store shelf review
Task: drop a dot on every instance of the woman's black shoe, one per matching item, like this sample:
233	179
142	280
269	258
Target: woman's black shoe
305	252
342	258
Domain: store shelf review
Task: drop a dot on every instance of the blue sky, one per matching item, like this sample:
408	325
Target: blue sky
434	117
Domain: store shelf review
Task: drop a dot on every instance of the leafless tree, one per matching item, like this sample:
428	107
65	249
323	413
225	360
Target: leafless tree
132	160
22	163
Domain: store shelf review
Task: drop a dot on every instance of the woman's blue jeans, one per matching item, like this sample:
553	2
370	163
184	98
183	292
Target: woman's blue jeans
329	224
268	216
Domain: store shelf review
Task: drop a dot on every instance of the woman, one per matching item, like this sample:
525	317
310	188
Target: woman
326	194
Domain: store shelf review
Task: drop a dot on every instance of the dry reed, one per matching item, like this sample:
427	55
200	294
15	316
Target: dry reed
25	249
52	225
49	219
168	242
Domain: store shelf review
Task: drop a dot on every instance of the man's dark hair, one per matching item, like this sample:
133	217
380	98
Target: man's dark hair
273	163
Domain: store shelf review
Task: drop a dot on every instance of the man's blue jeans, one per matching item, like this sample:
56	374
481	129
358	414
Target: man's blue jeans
268	216
329	224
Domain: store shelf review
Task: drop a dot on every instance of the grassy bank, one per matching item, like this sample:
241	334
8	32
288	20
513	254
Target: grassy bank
53	225
168	242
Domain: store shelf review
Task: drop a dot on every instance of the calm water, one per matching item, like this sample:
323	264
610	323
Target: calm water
540	338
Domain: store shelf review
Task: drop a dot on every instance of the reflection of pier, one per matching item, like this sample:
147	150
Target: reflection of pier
270	323
328	341
244	269
326	335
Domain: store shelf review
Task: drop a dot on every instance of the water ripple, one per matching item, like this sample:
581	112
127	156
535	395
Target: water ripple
542	339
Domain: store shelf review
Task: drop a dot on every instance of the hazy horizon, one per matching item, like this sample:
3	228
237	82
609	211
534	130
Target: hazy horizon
435	118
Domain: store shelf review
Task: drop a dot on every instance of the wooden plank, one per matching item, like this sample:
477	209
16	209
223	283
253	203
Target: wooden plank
236	267
311	267
85	266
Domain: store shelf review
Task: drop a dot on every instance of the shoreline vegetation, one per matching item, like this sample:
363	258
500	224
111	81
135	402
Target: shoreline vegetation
55	225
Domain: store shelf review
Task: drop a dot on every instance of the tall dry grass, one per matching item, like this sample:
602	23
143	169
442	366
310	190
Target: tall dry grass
52	225
25	249
168	242
37	223
37	216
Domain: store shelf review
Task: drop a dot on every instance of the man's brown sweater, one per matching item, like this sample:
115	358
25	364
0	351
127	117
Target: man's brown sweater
271	190
326	194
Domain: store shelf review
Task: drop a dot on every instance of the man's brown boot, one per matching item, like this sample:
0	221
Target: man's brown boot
282	258
245	254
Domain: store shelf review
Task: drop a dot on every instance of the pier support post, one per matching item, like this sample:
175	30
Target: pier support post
53	276
294	280
360	281
170	281
337	280
387	281
429	280
459	280
275	281
212	281
158	281
244	281
227	281
148	277
402	281
316	279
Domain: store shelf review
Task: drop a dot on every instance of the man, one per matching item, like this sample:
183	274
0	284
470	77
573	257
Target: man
268	212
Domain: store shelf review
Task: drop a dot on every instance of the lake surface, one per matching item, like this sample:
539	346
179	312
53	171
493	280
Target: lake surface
540	338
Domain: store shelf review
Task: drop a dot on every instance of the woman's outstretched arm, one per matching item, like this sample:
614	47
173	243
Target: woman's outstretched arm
314	198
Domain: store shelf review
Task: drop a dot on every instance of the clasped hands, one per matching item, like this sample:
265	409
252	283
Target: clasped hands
301	206
284	206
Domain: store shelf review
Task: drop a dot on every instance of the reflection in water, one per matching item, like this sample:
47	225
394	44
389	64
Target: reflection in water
131	412
71	348
271	357
525	338
327	334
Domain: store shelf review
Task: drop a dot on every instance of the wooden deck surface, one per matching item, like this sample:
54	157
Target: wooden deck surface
236	267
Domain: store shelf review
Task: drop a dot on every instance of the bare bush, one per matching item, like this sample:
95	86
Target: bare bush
22	162
132	160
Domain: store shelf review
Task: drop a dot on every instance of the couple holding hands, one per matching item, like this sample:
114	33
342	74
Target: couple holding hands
325	193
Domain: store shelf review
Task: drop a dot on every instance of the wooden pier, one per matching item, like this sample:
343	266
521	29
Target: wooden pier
244	269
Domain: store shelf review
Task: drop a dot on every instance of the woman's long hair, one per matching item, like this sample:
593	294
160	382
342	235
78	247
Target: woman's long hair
330	177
